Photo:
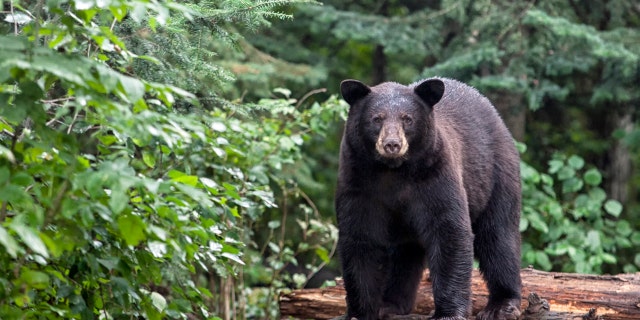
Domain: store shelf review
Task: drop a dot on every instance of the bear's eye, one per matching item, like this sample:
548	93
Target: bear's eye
407	119
377	119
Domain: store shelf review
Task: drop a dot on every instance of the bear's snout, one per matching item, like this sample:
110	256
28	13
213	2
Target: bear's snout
392	146
392	142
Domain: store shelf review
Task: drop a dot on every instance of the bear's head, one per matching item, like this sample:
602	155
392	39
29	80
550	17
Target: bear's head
389	119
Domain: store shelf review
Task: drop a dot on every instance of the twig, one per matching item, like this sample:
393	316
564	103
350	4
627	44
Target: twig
15	23
308	94
316	212
75	116
113	24
58	100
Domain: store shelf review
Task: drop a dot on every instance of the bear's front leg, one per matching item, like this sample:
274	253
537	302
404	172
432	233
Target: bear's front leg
363	271
406	266
450	263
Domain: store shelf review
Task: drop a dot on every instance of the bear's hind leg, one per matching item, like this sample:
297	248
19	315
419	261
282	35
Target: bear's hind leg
406	267
497	247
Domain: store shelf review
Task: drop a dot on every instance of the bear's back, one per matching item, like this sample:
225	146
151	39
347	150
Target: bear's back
479	139
469	111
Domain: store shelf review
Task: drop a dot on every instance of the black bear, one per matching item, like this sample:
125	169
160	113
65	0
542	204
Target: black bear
429	176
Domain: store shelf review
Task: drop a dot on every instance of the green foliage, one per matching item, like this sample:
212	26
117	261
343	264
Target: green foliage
568	222
152	166
116	204
207	54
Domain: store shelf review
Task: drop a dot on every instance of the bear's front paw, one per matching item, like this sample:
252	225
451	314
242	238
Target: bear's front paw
394	309
506	311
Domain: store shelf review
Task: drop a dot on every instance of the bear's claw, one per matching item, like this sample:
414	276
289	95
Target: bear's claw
506	311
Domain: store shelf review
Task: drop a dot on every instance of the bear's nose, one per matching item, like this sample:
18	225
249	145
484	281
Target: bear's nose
392	146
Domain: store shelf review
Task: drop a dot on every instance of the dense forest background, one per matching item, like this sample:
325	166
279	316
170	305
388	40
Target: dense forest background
178	159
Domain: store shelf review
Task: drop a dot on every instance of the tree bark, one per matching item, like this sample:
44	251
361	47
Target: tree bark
619	171
546	295
379	65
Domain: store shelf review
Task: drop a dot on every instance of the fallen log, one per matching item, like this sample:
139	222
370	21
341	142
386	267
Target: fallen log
546	295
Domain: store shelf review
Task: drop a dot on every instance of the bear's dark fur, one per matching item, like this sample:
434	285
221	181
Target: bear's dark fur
429	175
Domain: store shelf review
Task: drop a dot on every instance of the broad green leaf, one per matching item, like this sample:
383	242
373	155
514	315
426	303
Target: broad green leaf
543	260
22	179
70	68
88	14
566	172
274	247
210	184
537	223
54	249
560	249
623	228
572	184
118	199
132	229
218	126
133	88
635	238
119	12
576	162
30	237
16	113
84	4
623	242
286	143
555	166
4	174
274	224
149	159
158	249
524	224
528	173
159	232
35	279
22	300
613	207
17	18
181	177
109	262
8	242
233	257
158	301
593	239
597	194
231	190
555	210
323	254
593	177
7	154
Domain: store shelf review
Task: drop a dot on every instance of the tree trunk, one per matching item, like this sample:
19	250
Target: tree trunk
545	296
619	169
379	65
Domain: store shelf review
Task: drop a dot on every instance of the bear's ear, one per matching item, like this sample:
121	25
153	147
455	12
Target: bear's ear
430	91
353	90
